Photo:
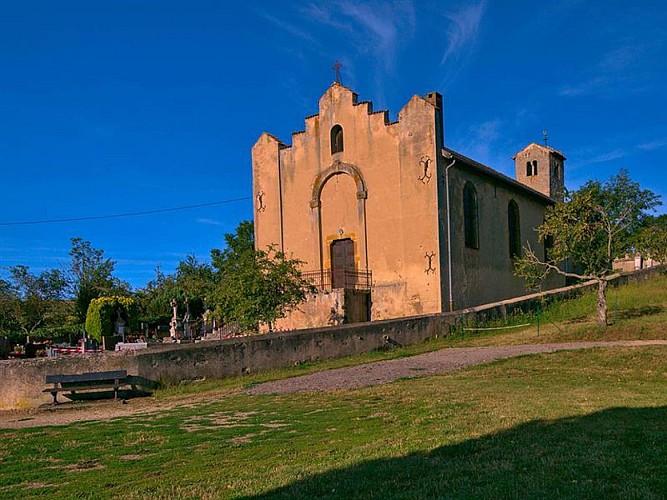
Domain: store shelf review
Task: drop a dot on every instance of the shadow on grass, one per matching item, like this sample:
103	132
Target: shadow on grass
140	387
636	312
123	394
616	453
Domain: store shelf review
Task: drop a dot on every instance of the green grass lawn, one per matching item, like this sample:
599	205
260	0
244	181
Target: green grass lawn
635	311
572	424
579	424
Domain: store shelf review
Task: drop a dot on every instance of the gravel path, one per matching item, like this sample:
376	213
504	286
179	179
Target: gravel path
380	372
432	363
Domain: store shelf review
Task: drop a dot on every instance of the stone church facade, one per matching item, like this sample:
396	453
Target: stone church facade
390	223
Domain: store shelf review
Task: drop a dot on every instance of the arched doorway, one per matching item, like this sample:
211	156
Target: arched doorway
339	204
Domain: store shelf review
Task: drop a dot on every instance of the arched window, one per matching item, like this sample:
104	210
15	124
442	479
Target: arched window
534	167
470	216
529	169
514	229
336	139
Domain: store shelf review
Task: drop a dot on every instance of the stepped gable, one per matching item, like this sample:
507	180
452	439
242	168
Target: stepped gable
355	102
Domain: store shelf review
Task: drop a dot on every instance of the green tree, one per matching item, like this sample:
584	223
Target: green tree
153	300
8	318
652	239
593	226
90	275
31	302
194	282
190	286
102	314
254	286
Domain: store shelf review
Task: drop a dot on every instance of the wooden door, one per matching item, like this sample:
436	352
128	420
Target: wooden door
342	258
357	306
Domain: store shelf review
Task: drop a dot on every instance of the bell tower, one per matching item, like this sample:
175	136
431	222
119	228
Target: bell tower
541	168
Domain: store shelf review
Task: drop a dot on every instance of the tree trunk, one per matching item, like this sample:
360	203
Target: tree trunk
602	302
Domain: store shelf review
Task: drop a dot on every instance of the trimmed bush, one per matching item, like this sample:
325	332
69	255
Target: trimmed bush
102	313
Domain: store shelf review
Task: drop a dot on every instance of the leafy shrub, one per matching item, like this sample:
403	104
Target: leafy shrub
102	314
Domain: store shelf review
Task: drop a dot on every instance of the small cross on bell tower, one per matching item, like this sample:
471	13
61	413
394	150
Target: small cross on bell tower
336	67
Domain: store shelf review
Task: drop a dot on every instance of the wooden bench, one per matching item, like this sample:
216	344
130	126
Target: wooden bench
86	382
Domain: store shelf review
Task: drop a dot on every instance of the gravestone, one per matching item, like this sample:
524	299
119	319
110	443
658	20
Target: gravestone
174	319
119	327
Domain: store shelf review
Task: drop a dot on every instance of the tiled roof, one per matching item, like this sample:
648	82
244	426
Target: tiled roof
498	176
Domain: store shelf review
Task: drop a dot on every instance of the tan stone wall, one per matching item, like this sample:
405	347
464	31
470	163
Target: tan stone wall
370	192
24	380
550	174
625	265
486	274
314	312
633	262
419	172
266	187
386	192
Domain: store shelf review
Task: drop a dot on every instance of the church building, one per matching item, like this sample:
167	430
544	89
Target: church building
390	223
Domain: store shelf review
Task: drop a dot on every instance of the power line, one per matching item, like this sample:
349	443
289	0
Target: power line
126	214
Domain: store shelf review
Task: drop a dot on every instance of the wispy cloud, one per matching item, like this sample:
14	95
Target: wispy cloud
37	250
210	222
377	27
178	255
481	143
462	31
608	156
489	130
613	73
28	258
138	262
621	58
650	146
381	28
322	14
288	27
584	87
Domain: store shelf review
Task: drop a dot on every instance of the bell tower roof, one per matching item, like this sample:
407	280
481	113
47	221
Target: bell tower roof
546	149
541	167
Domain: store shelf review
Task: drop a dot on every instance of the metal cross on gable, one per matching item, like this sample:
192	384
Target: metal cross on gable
336	67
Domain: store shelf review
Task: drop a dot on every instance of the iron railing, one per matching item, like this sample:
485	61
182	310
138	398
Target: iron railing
348	279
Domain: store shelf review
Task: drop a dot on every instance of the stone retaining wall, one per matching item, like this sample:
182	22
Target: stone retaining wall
22	381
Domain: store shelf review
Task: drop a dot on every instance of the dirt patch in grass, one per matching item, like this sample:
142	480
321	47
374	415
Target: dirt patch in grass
242	439
133	456
68	413
81	466
32	486
219	419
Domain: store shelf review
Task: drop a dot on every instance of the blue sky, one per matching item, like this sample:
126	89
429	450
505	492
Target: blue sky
124	106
